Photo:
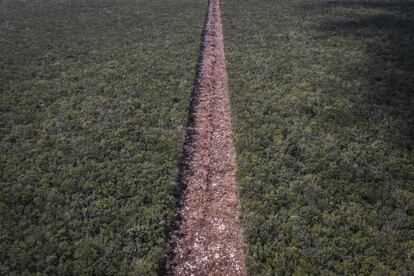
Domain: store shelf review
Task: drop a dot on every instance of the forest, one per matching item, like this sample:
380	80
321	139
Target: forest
322	103
94	102
93	105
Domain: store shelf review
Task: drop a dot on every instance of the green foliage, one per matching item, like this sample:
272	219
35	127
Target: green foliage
322	104
93	100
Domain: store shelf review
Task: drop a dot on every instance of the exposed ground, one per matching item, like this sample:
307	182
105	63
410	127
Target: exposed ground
208	240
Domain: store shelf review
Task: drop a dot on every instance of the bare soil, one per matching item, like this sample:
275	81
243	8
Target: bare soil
208	240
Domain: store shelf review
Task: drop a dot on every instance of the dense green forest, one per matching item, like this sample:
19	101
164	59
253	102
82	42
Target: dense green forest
93	106
322	104
94	99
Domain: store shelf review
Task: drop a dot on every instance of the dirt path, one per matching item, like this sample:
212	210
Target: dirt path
209	240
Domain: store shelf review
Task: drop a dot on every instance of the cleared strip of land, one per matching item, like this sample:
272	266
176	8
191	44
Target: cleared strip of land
208	240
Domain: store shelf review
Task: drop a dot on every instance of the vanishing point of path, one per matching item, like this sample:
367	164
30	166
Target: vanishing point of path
208	240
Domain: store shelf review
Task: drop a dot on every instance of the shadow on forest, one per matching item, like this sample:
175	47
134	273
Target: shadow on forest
394	5
385	30
386	22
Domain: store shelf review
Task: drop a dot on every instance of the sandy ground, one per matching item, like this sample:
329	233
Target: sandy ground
208	240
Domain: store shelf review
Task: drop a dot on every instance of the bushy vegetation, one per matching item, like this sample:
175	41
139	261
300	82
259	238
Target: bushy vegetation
322	104
93	99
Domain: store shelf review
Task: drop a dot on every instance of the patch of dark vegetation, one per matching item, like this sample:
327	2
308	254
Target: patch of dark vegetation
322	97
93	105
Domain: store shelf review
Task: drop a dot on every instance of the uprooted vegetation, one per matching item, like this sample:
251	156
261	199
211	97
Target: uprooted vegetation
93	103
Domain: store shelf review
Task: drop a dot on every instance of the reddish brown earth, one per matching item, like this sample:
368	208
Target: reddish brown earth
208	240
